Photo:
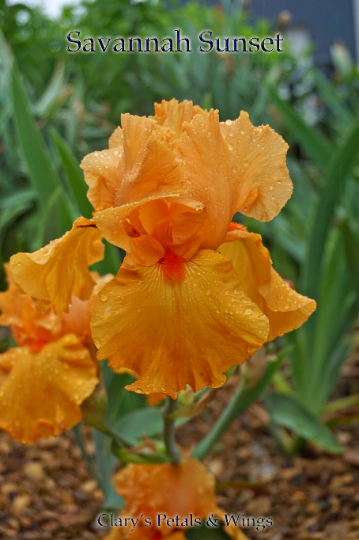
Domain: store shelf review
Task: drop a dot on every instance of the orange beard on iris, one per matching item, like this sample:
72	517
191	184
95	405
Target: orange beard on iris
195	294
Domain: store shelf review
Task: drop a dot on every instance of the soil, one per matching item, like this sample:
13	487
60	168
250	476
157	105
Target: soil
46	491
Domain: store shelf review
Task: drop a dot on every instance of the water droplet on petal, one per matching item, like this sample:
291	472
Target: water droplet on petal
103	297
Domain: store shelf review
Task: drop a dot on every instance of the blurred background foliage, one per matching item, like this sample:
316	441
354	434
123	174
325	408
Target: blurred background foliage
56	106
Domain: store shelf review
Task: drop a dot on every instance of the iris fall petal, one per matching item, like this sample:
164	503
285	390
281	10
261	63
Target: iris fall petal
285	308
192	321
41	392
58	271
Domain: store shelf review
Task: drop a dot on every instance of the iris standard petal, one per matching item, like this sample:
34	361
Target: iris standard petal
173	114
257	164
103	173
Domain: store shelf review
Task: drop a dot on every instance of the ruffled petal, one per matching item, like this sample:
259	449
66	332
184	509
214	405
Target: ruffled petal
77	319
58	271
141	166
27	324
190	320
41	392
116	139
173	114
203	153
285	308
103	172
146	250
153	171
182	490
257	163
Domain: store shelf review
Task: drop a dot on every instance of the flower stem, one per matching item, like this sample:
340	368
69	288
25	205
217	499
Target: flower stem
169	431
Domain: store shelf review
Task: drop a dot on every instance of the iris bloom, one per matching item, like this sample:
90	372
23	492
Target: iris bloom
174	490
196	293
44	380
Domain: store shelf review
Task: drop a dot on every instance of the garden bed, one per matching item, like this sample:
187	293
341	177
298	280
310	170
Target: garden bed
46	490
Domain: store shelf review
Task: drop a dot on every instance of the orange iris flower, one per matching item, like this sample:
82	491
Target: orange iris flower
183	490
195	293
44	380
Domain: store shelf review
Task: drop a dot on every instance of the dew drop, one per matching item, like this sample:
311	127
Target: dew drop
234	169
271	188
230	146
208	292
247	312
103	297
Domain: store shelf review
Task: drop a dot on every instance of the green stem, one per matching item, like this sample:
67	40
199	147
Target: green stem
169	431
221	426
91	462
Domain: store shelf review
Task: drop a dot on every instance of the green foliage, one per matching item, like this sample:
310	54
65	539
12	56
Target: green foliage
325	266
288	412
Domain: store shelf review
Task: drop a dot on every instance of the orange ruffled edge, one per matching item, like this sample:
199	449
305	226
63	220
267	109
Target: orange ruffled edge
31	327
191	319
41	391
285	308
58	271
